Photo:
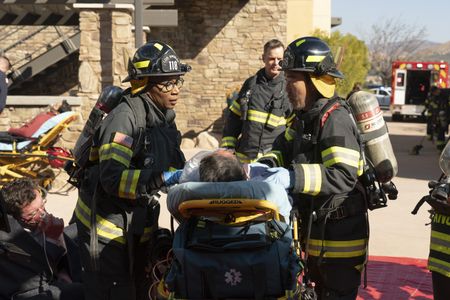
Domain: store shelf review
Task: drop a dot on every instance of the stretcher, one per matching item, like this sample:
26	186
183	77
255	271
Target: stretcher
231	241
36	156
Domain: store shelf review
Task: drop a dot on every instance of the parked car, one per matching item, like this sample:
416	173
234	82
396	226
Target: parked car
383	95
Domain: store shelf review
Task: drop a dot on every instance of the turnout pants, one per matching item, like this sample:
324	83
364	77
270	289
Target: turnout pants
113	279
335	261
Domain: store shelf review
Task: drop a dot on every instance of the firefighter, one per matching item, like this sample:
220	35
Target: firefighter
130	158
439	258
441	119
431	110
318	159
261	111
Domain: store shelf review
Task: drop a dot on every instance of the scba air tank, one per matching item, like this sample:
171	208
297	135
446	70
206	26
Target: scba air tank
371	125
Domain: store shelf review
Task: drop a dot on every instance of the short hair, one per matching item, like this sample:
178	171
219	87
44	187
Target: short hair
272	44
220	167
19	193
65	106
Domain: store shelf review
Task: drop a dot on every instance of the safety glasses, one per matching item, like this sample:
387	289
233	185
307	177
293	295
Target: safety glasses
168	86
30	217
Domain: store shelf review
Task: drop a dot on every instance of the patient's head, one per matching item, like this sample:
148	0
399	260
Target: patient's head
60	107
221	166
25	201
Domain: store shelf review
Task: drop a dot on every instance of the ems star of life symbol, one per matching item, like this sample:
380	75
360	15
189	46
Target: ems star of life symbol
233	277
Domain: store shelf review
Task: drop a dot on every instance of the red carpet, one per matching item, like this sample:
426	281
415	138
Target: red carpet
397	278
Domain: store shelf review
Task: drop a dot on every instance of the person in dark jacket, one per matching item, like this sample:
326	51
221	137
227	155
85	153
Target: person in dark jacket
135	153
261	111
319	160
431	111
37	260
5	66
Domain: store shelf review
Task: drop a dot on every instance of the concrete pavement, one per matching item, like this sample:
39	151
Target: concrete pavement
394	231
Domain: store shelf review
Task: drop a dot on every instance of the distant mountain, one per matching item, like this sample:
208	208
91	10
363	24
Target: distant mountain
433	51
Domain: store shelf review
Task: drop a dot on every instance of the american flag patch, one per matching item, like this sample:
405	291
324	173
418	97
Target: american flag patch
123	139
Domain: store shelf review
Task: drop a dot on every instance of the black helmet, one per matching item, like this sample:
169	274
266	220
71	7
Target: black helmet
155	59
312	55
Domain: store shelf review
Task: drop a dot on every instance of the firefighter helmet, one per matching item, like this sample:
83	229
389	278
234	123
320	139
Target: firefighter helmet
153	59
312	55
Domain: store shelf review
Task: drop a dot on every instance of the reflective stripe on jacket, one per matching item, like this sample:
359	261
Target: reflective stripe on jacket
439	258
327	164
267	113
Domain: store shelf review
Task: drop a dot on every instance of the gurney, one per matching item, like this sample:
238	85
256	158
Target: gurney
34	157
230	243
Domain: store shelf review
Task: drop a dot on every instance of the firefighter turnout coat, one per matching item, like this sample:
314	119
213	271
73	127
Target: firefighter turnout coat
117	212
257	117
322	146
439	258
30	266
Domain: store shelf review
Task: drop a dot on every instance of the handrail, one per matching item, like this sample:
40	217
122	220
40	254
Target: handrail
25	38
29	56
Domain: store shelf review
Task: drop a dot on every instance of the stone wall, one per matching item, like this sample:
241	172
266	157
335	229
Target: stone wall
223	42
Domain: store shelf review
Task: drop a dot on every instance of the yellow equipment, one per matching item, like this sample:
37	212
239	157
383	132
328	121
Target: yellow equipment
33	157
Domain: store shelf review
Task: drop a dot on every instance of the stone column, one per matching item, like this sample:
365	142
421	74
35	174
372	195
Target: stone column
106	40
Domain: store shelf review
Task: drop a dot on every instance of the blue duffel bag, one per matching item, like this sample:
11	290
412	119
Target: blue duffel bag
215	261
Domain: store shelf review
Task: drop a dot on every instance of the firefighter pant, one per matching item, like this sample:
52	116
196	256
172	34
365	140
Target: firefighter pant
113	279
440	138
441	286
334	281
430	128
338	277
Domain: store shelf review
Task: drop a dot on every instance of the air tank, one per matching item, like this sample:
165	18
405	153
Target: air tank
377	145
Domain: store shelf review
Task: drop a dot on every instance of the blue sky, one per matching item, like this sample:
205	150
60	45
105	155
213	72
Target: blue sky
359	15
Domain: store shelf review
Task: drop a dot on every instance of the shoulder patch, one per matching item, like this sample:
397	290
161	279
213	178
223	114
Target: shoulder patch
122	139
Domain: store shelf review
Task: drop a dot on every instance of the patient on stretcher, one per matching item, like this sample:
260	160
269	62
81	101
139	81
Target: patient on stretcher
222	176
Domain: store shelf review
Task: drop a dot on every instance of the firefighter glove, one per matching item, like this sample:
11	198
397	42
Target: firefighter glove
172	177
281	176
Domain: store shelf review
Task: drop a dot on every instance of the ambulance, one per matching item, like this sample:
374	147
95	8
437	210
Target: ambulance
411	82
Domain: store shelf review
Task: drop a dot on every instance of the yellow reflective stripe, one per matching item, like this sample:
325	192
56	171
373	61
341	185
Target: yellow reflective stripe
327	243
298	43
147	234
338	249
440	242
105	229
235	107
439	266
228	141
315	58
263	117
128	183
360	168
336	154
243	158
289	134
142	64
116	152
93	154
277	155
159	46
312	179
290	119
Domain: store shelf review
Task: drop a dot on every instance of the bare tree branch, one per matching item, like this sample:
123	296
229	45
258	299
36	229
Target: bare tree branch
392	40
